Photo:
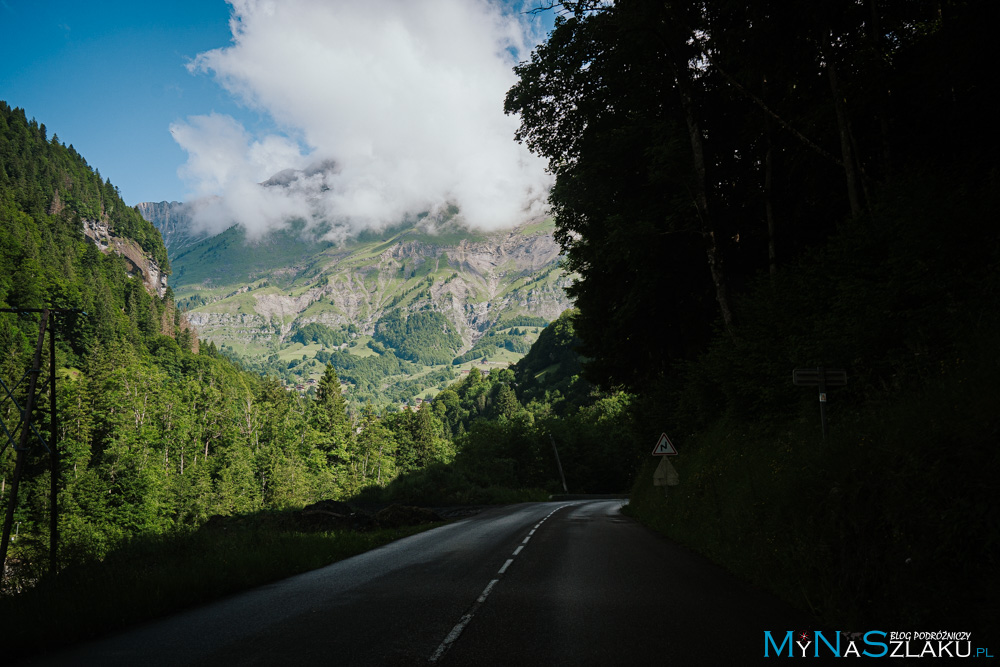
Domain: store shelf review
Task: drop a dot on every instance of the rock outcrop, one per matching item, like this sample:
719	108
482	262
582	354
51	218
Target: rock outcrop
141	265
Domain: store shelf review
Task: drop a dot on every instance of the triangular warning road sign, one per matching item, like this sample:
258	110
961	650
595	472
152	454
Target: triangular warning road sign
664	447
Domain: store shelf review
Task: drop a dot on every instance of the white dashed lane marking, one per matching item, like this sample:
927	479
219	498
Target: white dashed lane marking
464	621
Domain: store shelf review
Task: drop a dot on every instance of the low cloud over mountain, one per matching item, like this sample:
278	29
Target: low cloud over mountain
387	109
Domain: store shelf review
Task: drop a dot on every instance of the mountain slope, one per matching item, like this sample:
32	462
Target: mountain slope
252	297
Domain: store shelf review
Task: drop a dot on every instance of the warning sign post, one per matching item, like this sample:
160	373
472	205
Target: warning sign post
665	475
664	447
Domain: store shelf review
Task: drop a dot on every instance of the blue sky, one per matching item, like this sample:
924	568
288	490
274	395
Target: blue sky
113	79
110	78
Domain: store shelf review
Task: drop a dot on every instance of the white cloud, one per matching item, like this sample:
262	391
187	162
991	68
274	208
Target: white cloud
404	96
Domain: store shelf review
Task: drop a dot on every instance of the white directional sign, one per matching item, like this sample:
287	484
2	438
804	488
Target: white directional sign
664	447
665	474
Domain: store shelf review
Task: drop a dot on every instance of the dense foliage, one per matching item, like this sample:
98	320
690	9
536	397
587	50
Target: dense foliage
507	426
44	177
156	432
550	374
749	188
891	515
424	337
696	144
314	332
382	379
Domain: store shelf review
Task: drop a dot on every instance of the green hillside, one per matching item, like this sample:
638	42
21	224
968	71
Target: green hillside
403	310
229	259
157	431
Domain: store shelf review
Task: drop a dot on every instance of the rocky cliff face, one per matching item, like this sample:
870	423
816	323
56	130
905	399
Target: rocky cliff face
474	281
142	266
173	221
488	279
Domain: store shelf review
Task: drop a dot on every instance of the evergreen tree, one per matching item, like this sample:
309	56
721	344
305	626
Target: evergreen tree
505	405
374	457
331	426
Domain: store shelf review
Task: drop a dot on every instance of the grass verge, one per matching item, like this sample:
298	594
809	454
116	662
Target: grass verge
155	576
890	521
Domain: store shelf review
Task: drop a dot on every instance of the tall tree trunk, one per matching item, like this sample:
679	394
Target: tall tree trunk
806	141
844	129
715	265
772	255
875	37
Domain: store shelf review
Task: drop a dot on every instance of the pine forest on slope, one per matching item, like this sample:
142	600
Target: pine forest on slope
157	433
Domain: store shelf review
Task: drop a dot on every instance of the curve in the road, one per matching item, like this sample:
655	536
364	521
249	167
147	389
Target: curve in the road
592	588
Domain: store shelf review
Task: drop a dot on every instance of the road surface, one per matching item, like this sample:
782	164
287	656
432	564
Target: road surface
565	583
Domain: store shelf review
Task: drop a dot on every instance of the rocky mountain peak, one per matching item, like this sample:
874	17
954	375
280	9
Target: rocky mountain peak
173	219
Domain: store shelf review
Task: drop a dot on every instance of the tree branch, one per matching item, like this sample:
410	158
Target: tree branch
781	121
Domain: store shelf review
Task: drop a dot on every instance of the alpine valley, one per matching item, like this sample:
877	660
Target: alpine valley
399	313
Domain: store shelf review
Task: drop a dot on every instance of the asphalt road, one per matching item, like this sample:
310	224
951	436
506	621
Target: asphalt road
565	583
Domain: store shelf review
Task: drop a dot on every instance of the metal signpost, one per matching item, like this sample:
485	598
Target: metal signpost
820	378
665	475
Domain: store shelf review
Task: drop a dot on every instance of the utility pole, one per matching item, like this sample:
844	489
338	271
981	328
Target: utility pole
22	447
53	456
559	463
